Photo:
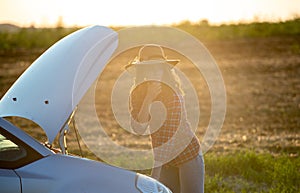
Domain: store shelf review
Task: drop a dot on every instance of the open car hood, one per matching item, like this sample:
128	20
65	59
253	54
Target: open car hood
49	90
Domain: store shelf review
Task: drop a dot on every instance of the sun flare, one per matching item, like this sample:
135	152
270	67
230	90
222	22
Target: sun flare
133	12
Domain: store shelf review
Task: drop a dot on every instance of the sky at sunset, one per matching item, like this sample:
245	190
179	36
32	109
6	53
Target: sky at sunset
41	13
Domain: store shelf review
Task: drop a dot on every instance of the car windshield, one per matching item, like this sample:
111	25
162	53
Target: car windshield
9	151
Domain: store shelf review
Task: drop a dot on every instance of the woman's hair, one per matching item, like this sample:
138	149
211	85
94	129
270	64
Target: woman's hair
177	81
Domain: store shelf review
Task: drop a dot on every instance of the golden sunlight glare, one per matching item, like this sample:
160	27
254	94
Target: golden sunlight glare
134	12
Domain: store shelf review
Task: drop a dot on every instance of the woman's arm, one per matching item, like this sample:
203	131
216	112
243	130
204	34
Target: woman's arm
140	120
153	90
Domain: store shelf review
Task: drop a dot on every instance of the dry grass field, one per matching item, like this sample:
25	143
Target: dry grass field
261	77
262	80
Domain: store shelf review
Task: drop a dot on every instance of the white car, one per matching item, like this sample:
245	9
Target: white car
47	93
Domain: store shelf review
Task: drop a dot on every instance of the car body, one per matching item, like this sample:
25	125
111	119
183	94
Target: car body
48	93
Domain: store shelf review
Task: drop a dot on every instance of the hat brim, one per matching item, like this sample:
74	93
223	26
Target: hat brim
168	61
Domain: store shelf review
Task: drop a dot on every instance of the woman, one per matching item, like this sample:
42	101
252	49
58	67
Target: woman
157	108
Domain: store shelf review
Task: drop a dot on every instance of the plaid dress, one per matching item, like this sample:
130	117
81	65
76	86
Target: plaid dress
174	143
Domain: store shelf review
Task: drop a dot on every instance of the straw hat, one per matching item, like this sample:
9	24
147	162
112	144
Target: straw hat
149	54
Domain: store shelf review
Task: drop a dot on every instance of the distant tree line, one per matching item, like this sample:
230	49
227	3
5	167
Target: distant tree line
204	31
26	39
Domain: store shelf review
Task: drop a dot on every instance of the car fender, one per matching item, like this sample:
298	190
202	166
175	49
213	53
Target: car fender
63	173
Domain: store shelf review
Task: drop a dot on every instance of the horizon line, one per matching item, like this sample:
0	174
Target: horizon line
61	24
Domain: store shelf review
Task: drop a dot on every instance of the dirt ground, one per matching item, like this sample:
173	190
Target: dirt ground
262	80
